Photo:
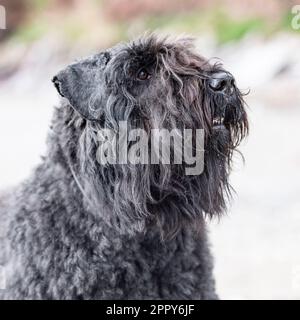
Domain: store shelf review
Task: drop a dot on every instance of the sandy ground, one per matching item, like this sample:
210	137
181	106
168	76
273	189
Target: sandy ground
255	244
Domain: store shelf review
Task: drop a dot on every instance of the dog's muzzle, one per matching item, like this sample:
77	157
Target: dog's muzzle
227	106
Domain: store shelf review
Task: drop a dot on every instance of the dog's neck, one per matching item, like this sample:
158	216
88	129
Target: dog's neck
127	211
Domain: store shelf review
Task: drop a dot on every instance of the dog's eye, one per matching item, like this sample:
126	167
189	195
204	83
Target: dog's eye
143	74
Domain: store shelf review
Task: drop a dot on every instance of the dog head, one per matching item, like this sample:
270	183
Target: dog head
155	83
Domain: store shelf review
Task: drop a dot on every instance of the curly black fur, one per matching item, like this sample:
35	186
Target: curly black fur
79	229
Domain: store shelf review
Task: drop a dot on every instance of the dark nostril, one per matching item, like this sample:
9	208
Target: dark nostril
220	81
221	85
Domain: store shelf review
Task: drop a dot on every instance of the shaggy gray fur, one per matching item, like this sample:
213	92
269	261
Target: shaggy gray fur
80	230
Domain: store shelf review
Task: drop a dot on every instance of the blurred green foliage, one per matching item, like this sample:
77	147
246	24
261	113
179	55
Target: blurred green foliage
31	31
221	24
215	20
38	4
228	29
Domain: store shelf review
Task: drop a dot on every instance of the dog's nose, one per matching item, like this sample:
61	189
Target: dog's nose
221	81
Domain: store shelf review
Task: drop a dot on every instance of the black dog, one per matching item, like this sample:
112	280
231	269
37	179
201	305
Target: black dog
81	229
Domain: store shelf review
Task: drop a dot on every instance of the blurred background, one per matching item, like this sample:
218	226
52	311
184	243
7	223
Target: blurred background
256	245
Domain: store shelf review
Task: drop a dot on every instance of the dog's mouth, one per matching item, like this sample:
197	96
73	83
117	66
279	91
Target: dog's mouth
218	123
228	113
229	121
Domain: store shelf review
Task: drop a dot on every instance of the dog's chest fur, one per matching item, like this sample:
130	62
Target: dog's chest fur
56	250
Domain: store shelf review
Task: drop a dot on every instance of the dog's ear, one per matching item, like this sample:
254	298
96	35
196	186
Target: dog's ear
81	84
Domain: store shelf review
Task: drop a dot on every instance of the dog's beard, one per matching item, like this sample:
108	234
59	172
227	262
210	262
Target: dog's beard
136	197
